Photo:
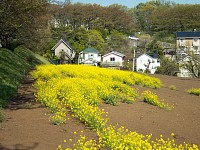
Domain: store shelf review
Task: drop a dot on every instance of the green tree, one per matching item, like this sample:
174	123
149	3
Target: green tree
79	41
167	67
19	19
143	12
96	40
169	19
155	47
115	41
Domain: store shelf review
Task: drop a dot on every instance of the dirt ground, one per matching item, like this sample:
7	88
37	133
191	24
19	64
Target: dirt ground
27	126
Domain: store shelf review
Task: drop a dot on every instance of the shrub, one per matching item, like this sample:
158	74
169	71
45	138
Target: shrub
172	87
1	115
195	91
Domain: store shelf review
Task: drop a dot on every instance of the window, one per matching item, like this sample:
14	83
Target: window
112	58
195	47
90	55
195	42
182	42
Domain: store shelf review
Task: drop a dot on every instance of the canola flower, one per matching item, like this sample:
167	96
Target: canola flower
81	90
195	91
151	98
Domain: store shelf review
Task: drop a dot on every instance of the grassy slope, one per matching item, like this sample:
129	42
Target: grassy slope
13	66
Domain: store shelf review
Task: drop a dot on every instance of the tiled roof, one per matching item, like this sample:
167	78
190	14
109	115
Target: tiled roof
187	34
90	50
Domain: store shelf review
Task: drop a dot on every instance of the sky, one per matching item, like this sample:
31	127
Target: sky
129	3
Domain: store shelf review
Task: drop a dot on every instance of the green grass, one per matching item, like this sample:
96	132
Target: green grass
13	66
172	87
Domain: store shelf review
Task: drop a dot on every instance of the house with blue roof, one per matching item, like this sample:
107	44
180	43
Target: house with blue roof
188	42
89	56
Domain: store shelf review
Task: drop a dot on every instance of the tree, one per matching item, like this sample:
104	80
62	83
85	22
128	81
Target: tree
155	47
143	12
193	65
169	19
95	40
19	16
79	41
167	67
116	41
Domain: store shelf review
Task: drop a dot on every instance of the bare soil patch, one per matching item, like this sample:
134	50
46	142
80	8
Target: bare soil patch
27	125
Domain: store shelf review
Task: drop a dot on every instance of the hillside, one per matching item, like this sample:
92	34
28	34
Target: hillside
14	65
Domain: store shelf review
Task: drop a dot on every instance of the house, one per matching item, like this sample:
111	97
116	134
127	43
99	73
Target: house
89	56
187	42
147	62
64	51
113	59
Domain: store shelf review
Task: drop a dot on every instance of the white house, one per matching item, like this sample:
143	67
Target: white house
146	62
63	49
89	56
113	59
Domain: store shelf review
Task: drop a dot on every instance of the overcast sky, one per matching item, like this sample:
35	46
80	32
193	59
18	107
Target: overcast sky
130	3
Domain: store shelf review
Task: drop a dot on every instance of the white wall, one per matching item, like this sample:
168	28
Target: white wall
118	59
61	47
86	56
144	60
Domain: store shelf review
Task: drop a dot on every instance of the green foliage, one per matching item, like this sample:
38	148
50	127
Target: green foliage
143	12
155	47
172	18
20	20
1	115
116	41
127	66
96	40
13	66
172	87
79	41
168	67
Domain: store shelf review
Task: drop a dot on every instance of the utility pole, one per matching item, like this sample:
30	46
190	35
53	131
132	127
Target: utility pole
134	60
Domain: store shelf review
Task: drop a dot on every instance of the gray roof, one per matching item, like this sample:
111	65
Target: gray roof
151	55
62	41
114	53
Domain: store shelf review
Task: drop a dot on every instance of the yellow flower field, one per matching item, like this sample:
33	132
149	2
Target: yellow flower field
81	89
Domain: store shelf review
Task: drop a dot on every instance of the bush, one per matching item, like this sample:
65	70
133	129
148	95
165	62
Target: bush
1	115
167	67
194	91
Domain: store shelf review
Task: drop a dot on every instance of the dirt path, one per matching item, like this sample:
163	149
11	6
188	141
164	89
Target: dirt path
183	120
27	125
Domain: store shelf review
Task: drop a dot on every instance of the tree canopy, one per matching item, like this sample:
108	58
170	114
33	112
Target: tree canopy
37	22
19	19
